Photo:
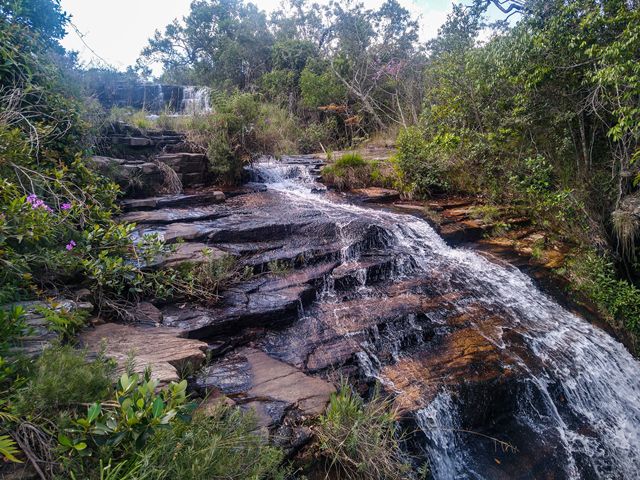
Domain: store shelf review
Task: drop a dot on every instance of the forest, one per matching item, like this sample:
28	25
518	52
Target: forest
527	106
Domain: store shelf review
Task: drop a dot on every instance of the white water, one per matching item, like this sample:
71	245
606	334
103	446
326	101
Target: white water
598	377
196	101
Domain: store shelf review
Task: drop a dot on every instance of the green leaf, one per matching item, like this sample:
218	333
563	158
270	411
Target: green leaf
94	412
158	407
64	440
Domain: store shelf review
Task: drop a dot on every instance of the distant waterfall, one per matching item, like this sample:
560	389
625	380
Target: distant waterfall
196	100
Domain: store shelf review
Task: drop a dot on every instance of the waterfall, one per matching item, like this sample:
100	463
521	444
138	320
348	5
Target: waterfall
578	394
196	100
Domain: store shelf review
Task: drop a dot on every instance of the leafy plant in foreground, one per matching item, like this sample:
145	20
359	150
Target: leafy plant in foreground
131	419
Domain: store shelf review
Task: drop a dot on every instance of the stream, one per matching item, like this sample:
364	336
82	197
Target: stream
501	382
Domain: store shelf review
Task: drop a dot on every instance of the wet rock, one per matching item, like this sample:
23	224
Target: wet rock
247	189
170	215
173	201
257	308
163	350
365	271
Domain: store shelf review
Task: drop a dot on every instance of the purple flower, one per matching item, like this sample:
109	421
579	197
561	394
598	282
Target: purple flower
70	245
35	202
65	206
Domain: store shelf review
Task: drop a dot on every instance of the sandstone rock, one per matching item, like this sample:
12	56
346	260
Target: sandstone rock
268	386
147	313
376	194
173	201
171	215
161	349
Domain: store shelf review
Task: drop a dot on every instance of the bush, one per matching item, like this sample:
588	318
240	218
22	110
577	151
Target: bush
241	127
318	136
349	171
595	276
66	323
359	440
202	281
222	445
125	425
421	163
63	378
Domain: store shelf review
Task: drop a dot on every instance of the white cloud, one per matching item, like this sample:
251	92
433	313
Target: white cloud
117	30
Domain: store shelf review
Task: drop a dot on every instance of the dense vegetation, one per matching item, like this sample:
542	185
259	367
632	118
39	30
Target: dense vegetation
544	117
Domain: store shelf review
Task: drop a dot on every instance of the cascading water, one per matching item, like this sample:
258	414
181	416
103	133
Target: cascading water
196	100
577	394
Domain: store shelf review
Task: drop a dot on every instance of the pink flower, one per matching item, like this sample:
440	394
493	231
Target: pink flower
65	206
70	245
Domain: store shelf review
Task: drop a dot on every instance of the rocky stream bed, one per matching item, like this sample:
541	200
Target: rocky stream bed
470	349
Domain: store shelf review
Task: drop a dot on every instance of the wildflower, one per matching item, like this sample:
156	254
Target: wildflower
70	245
35	202
65	206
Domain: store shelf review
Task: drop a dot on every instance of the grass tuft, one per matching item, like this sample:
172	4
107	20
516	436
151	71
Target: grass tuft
359	440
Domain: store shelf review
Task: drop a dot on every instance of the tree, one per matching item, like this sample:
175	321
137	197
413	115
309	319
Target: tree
43	17
224	43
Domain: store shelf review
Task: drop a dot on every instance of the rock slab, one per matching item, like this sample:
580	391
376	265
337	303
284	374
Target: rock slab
269	386
161	349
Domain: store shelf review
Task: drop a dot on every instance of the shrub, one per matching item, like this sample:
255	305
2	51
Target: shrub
318	136
422	163
66	323
126	424
203	281
241	127
359	439
595	276
62	377
12	326
347	172
221	445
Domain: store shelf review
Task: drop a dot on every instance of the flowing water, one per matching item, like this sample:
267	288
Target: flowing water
567	395
195	100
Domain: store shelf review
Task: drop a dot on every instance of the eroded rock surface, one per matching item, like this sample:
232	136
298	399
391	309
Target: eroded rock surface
270	387
161	349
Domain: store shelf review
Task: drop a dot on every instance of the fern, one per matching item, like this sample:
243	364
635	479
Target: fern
8	449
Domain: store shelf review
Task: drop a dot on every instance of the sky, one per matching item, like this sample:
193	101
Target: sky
117	30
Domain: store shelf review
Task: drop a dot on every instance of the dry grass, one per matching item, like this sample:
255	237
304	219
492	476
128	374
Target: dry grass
171	182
